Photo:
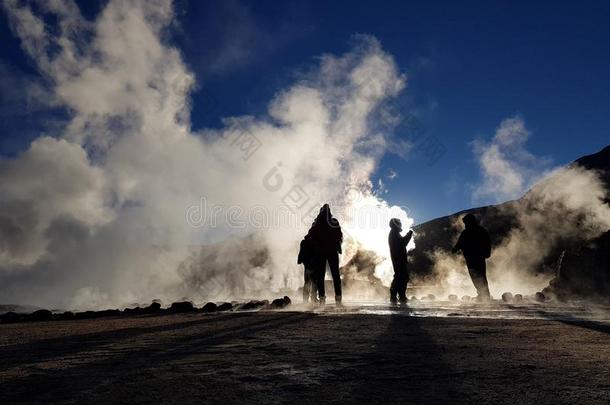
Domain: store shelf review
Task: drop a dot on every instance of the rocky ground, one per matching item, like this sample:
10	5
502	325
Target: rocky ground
305	357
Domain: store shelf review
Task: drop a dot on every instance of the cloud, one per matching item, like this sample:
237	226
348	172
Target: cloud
562	208
507	168
103	211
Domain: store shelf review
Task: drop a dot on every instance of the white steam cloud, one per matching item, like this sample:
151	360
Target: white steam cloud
507	168
97	215
563	207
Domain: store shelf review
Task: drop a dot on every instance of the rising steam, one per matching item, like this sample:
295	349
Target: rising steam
115	207
564	206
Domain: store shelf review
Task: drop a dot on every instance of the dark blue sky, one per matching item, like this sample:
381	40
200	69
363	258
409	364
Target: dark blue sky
469	66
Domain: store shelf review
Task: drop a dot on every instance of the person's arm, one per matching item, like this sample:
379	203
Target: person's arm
407	238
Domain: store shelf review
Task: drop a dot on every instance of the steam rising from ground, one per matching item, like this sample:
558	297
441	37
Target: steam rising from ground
112	209
565	207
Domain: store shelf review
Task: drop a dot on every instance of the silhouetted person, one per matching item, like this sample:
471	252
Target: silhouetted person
398	253
475	244
307	259
326	235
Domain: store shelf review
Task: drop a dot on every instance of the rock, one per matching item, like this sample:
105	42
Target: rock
84	315
518	298
539	297
152	308
466	298
107	312
182	306
225	306
12	317
281	302
65	316
431	297
453	297
507	297
41	315
210	307
254	304
413	298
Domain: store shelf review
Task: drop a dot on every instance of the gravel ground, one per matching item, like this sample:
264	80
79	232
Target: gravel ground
305	357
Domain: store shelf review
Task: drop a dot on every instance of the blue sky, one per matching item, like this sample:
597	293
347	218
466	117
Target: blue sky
469	65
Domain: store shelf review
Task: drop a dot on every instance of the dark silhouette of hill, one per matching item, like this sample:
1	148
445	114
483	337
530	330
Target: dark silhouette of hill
582	266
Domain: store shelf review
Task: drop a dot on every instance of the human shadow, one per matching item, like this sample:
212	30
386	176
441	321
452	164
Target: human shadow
407	366
572	320
48	349
94	376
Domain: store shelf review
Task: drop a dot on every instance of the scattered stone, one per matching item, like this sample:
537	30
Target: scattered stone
254	304
453	297
84	315
65	316
153	308
518	298
507	297
281	302
12	317
466	298
108	312
210	307
182	306
41	315
539	297
225	306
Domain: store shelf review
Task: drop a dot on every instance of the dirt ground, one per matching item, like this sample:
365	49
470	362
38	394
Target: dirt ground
305	357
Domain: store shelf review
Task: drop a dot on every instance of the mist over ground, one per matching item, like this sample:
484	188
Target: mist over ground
124	202
110	210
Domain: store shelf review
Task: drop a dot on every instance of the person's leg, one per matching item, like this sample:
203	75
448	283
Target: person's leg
484	286
307	284
313	291
402	290
476	269
393	288
320	270
333	263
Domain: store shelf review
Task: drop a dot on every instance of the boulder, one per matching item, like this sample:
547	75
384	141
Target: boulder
431	297
182	306
41	315
65	316
507	297
225	306
210	307
453	297
466	298
132	311
281	302
152	308
254	304
107	312
518	298
540	297
12	317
